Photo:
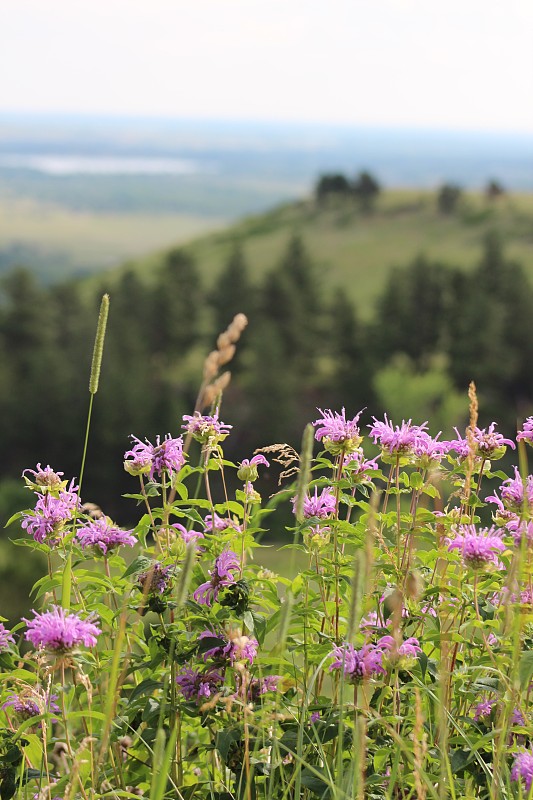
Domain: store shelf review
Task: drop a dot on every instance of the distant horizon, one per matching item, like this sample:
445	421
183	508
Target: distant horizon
259	122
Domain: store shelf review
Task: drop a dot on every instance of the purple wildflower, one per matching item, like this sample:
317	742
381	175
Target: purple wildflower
517	718
206	429
164	456
156	579
48	520
358	664
317	536
44	479
257	687
408	649
195	685
239	648
5	638
213	522
25	707
479	548
428	448
519	529
397	440
314	718
358	465
459	445
370	622
60	631
338	434
512	493
526	434
187	536
523	769
489	443
483	709
103	537
318	505
248	467
221	576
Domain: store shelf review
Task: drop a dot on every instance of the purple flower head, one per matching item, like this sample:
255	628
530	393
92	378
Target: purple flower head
483	710
370	622
358	664
248	467
213	522
358	466
407	650
221	576
397	440
103	537
526	434
428	448
523	769
317	536
314	718
338	434
5	638
512	492
489	443
48	520
257	687
459	445
145	457
207	430
239	648
44	479
517	718
520	529
25	706
156	580
479	548
60	631
318	505
187	536
198	686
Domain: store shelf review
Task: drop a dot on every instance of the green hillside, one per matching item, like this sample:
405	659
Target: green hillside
356	250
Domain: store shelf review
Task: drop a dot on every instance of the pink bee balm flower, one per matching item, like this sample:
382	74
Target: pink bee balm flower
5	638
523	769
60	631
213	522
360	664
318	505
489	443
104	537
526	434
240	648
248	467
221	576
164	456
408	649
205	429
25	707
44	478
195	685
187	536
479	548
48	520
519	530
157	579
397	439
512	493
483	709
338	433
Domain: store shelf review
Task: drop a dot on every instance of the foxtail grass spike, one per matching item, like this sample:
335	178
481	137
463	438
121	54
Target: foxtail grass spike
96	364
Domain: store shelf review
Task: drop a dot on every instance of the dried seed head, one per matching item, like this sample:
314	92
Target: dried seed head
215	389
211	364
238	324
226	354
224	340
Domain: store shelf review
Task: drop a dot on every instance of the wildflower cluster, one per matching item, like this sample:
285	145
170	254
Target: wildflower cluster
398	641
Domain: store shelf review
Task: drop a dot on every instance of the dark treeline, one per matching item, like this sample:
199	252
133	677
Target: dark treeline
305	347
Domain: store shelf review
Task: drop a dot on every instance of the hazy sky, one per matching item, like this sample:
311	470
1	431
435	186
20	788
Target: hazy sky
436	63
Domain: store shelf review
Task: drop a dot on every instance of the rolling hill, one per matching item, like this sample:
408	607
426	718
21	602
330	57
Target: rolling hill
355	250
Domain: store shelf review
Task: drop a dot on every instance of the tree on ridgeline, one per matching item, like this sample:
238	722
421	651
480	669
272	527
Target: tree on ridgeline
366	189
232	292
351	384
332	185
448	198
494	190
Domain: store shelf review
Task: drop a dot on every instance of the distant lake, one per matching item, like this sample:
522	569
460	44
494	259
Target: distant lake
100	165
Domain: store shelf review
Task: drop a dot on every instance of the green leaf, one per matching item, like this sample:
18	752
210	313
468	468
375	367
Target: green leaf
525	668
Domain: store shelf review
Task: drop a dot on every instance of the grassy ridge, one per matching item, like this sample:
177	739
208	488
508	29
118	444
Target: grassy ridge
356	251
